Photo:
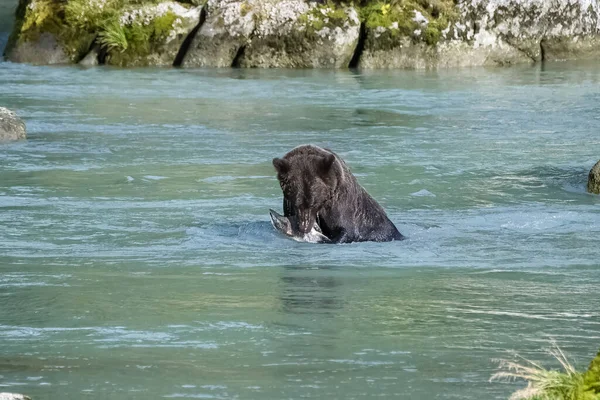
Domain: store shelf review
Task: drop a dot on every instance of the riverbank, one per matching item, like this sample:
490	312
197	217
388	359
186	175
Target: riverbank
414	34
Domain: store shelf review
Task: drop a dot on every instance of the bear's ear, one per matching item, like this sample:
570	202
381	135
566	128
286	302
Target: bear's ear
324	163
281	166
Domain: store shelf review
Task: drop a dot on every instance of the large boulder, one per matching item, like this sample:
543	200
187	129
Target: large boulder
593	186
11	126
275	34
129	33
294	34
44	33
480	32
227	29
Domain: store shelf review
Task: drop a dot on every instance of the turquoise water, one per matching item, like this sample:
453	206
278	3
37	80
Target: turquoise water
137	260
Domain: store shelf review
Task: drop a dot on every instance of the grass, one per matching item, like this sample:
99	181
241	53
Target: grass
113	37
545	384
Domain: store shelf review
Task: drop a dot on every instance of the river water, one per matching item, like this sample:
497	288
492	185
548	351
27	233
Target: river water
137	260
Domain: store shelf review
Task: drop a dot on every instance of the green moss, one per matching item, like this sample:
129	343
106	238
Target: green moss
48	16
396	17
40	16
324	16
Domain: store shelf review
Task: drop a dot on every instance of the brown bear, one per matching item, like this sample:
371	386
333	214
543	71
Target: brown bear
318	188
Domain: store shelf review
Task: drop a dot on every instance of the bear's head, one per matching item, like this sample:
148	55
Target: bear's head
308	182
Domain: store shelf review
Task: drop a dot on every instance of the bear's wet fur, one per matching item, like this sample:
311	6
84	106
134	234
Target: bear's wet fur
319	187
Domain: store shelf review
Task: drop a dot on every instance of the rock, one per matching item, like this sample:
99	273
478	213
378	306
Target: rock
11	126
227	29
92	58
593	185
424	34
13	396
160	29
281	34
301	35
3	41
42	36
45	50
482	32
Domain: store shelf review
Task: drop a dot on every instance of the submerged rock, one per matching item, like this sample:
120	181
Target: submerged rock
13	396
11	126
593	185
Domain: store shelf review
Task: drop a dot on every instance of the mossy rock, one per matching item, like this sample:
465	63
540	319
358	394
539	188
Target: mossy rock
63	31
42	36
151	36
320	37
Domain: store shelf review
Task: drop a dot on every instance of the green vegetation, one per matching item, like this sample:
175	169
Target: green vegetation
113	37
328	15
136	38
544	384
389	19
592	376
396	18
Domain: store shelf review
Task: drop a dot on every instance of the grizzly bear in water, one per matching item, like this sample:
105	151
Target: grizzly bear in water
318	188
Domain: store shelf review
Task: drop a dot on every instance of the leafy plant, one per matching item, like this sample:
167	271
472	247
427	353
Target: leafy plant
113	37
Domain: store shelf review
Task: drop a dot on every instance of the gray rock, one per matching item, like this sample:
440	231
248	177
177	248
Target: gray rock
13	396
593	185
91	59
301	42
11	126
491	32
227	29
305	34
273	34
46	50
